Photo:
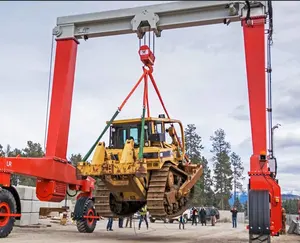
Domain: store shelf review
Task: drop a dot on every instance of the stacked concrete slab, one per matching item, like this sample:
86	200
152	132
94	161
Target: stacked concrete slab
30	206
294	227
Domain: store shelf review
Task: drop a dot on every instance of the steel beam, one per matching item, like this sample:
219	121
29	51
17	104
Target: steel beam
159	17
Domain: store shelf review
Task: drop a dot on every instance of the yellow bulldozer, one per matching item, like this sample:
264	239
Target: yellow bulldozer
139	167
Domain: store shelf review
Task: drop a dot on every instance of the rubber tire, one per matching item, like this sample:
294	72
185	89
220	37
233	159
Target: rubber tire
152	220
171	221
165	220
83	205
185	219
7	196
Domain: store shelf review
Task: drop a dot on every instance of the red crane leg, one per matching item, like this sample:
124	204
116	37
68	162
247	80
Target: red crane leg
254	40
61	100
260	179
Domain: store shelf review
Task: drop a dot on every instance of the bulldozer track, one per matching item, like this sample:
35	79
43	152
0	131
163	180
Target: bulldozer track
106	206
157	205
156	202
102	198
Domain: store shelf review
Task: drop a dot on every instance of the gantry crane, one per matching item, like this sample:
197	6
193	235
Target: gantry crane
55	174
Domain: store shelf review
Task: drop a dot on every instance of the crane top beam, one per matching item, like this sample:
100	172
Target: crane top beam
156	18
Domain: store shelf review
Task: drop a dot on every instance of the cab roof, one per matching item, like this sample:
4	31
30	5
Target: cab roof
139	120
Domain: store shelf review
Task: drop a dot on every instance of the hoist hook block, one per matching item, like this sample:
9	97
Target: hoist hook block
146	55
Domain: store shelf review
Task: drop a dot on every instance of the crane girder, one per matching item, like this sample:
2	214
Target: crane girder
156	18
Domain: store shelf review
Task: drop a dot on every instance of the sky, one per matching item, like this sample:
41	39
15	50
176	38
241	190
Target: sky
200	72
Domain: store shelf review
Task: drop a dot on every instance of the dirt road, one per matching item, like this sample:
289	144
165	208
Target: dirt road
157	232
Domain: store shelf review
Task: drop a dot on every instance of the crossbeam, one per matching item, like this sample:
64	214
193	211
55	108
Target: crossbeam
156	18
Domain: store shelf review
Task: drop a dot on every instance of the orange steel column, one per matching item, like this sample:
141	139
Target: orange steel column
254	41
61	98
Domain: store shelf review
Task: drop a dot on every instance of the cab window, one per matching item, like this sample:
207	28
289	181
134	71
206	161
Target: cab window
134	132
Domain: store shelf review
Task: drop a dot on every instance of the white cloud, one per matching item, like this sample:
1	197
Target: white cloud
200	72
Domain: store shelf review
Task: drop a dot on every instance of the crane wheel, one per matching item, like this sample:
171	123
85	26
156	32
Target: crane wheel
7	206
85	207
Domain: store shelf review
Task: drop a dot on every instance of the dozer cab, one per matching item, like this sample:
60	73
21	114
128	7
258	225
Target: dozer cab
127	180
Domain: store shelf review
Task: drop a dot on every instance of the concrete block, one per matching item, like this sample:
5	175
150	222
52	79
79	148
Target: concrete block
36	205
25	192
26	206
25	220
292	227
34	197
54	205
34	218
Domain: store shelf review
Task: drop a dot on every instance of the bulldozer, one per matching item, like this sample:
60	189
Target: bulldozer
144	164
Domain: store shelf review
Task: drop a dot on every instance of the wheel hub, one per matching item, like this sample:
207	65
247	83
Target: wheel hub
90	220
4	209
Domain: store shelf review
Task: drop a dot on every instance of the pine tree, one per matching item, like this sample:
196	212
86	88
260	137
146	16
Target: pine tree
208	194
193	144
238	177
222	167
238	205
246	208
193	149
2	153
75	158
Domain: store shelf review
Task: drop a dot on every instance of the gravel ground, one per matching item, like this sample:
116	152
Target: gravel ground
157	232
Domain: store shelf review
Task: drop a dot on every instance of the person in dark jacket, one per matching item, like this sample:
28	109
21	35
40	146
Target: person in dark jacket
203	216
181	222
234	213
213	214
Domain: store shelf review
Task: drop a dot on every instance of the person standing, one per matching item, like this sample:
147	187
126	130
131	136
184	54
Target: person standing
234	213
109	224
213	215
203	216
121	222
194	216
283	230
128	220
181	222
143	216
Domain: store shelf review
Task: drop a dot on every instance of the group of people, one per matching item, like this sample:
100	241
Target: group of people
199	214
202	214
143	217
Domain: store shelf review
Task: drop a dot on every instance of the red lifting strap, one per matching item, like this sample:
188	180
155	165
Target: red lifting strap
147	57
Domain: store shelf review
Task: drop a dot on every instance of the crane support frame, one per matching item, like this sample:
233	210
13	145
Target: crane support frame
180	14
139	20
